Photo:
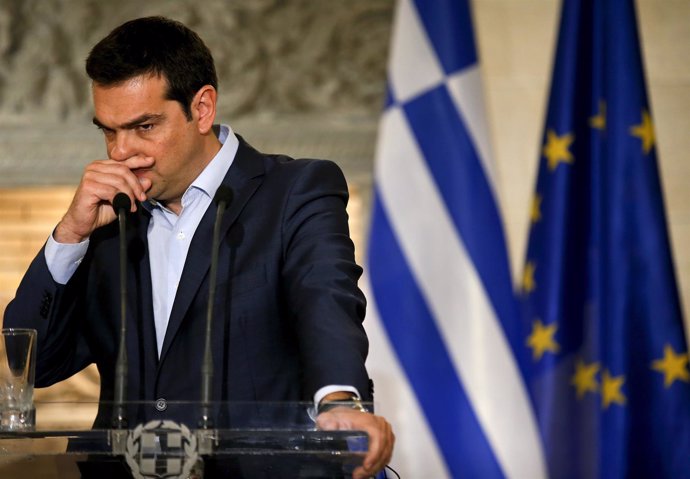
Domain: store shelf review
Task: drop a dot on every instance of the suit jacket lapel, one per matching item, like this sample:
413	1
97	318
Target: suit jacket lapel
140	301
243	177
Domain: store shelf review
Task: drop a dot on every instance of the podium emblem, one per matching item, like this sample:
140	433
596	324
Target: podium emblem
161	449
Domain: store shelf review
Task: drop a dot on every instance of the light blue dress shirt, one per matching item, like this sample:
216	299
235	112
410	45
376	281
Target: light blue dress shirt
170	235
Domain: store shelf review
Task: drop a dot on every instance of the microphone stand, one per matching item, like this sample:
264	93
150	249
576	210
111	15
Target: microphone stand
121	204
222	198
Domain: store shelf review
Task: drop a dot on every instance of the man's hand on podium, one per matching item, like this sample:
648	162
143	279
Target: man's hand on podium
381	437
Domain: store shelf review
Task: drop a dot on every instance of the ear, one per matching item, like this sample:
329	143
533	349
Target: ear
204	108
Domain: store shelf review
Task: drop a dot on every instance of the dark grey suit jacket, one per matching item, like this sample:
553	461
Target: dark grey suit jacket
288	312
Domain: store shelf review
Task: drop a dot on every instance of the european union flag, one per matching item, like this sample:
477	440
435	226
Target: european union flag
609	376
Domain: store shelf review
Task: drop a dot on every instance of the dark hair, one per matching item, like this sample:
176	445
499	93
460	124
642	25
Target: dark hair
155	46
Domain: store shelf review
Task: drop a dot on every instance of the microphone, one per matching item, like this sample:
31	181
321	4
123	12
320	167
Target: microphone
222	199
121	205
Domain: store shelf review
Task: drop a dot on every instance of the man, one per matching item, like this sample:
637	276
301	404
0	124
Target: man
288	311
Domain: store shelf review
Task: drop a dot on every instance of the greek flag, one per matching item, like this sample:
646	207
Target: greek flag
447	351
602	316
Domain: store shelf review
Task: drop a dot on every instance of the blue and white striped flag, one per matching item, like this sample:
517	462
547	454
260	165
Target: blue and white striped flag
446	351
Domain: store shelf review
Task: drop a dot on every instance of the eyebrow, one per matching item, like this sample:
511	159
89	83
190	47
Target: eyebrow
140	120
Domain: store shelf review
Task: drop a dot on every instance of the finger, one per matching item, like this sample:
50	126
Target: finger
360	473
98	188
374	460
100	177
382	451
326	422
146	185
389	445
138	161
373	457
135	165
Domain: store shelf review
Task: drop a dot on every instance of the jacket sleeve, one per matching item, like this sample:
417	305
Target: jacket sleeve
42	304
320	276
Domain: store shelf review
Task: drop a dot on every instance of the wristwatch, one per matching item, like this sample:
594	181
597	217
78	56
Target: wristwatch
352	403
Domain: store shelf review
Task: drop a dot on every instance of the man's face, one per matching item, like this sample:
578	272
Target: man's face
137	120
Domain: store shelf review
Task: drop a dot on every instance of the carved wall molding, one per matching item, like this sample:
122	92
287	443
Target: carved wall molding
312	71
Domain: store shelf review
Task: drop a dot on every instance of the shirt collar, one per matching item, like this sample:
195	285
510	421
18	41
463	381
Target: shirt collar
212	176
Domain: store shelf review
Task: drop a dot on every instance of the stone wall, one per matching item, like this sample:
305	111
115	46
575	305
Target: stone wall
301	76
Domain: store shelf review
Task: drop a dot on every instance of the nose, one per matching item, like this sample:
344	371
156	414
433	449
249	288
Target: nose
120	145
